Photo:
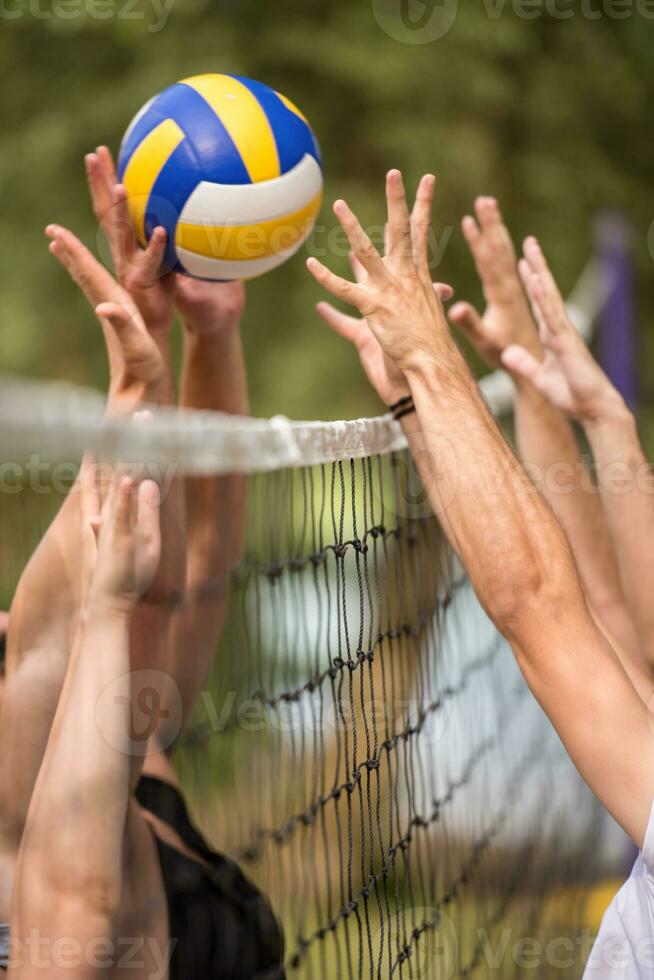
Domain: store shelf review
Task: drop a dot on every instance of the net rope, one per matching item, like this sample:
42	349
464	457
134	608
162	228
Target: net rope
366	746
57	421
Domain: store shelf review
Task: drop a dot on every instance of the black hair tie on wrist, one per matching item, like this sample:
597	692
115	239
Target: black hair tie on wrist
407	400
405	411
403	407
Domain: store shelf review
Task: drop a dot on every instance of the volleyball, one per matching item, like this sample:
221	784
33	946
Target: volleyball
230	168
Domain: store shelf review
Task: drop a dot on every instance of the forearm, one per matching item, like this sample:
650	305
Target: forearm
551	454
627	491
87	764
213	373
154	614
493	516
214	379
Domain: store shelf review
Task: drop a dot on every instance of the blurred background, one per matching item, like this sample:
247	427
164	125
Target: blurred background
545	105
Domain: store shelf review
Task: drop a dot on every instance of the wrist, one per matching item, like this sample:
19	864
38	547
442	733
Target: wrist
211	329
104	608
159	328
436	369
610	414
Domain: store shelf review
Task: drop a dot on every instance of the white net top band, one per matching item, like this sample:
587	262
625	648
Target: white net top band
58	422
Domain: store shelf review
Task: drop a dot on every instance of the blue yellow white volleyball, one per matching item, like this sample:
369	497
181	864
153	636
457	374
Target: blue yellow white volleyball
230	168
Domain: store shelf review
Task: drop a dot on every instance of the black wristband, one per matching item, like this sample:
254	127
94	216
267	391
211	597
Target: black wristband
403	412
407	400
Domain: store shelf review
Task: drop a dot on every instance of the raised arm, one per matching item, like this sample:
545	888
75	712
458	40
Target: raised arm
69	875
516	554
546	440
143	279
45	610
571	379
213	378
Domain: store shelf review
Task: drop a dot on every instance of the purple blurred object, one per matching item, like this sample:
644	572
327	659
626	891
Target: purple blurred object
617	327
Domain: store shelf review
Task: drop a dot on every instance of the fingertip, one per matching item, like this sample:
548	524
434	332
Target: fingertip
110	311
144	415
314	264
126	485
150	493
340	207
508	355
470	229
458	311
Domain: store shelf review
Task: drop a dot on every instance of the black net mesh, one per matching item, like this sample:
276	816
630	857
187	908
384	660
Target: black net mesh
366	747
369	752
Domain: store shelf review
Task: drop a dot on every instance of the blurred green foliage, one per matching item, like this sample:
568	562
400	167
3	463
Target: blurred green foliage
553	116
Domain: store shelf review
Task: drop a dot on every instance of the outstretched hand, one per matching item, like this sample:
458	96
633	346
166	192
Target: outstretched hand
138	270
205	306
136	366
507	319
384	376
395	294
127	531
569	377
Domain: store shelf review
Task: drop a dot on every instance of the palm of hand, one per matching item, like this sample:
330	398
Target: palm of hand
141	376
126	564
574	381
496	335
507	321
141	368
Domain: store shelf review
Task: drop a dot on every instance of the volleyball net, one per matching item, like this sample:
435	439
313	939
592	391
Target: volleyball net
366	747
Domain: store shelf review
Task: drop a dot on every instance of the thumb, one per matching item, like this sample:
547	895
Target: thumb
443	291
465	317
347	326
131	337
520	362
